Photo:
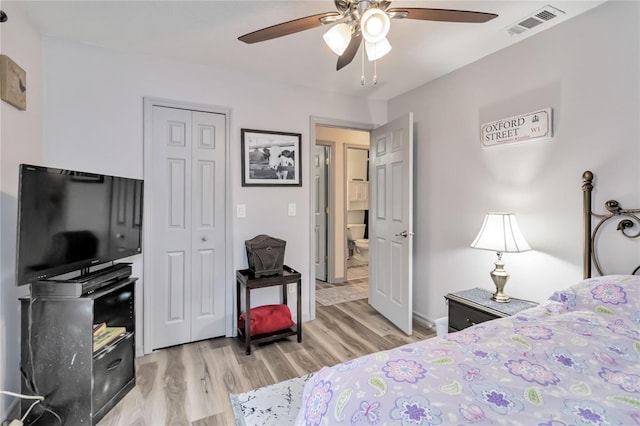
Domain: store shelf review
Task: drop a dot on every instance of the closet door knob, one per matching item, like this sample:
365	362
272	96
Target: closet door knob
204	238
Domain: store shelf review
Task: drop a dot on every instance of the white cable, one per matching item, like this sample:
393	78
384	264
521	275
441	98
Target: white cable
29	410
38	400
19	395
32	379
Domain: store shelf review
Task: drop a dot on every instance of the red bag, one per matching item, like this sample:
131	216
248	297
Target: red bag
267	319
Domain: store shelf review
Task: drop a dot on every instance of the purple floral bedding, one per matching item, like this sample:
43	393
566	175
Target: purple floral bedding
573	360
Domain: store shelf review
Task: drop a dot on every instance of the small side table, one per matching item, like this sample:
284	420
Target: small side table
244	278
473	306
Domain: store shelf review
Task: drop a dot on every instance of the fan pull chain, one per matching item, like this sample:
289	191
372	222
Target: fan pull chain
375	65
375	72
362	74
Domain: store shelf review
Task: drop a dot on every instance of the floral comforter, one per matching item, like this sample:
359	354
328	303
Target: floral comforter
573	360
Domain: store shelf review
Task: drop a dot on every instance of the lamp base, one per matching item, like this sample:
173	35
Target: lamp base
500	297
500	278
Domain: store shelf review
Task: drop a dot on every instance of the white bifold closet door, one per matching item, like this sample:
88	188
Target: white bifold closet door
187	226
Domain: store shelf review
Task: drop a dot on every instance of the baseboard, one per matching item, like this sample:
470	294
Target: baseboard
424	321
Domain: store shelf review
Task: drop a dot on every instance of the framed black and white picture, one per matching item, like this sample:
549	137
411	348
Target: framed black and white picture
270	158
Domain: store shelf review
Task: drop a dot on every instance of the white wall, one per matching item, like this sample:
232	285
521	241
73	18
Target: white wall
20	142
586	69
93	121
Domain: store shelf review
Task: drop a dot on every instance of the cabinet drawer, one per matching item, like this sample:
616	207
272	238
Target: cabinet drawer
462	316
112	370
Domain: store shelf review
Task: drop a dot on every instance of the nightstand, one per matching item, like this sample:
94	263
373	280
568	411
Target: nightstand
473	306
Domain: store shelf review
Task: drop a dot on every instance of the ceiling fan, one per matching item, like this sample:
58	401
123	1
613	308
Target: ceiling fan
356	20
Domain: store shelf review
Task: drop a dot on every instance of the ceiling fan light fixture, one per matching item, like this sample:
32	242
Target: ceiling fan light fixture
377	50
375	25
338	38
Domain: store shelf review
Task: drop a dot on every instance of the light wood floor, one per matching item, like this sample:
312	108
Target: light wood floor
190	384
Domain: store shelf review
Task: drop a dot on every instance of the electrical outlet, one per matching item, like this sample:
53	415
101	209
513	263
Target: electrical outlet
292	288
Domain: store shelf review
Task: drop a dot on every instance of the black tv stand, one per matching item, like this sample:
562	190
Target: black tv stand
79	384
82	284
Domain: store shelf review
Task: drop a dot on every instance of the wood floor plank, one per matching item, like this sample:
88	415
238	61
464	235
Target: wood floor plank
375	341
278	363
199	383
175	387
226	375
152	395
304	361
342	328
190	384
136	408
217	420
318	349
337	350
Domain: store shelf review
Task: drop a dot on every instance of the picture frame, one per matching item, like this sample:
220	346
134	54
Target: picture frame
13	83
271	158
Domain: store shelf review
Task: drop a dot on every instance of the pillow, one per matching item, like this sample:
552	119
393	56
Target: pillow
267	319
612	295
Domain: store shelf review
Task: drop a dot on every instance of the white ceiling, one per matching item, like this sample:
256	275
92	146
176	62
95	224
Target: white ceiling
205	32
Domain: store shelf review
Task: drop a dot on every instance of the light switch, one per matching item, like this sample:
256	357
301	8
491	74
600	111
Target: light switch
292	209
241	210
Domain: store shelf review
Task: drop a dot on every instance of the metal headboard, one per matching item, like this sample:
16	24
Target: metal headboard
628	218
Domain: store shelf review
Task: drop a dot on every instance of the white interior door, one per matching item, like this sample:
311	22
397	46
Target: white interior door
320	212
391	222
187	234
208	226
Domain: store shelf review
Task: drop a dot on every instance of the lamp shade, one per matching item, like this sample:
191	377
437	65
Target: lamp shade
377	50
338	38
500	233
375	25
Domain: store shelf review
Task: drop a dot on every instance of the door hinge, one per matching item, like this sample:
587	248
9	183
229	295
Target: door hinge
326	259
326	161
326	210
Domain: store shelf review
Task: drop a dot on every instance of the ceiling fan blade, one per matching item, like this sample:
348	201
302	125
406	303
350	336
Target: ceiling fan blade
350	52
286	28
445	15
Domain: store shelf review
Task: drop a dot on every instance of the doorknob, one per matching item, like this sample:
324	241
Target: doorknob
204	238
404	234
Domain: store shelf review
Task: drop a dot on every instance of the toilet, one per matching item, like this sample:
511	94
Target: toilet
355	233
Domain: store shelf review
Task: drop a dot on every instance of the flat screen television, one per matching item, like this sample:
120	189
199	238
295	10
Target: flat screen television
70	221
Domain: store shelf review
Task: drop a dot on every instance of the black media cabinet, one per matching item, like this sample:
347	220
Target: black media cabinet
58	361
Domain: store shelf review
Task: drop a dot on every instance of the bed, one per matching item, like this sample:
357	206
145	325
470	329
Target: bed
572	360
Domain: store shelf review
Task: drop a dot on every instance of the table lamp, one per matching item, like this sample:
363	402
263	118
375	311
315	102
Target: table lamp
500	233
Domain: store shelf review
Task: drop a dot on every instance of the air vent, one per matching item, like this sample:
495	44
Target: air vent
541	16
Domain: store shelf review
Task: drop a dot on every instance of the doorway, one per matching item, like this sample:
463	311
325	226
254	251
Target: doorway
390	285
337	186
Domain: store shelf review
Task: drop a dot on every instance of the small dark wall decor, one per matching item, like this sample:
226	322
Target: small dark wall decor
271	158
13	83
